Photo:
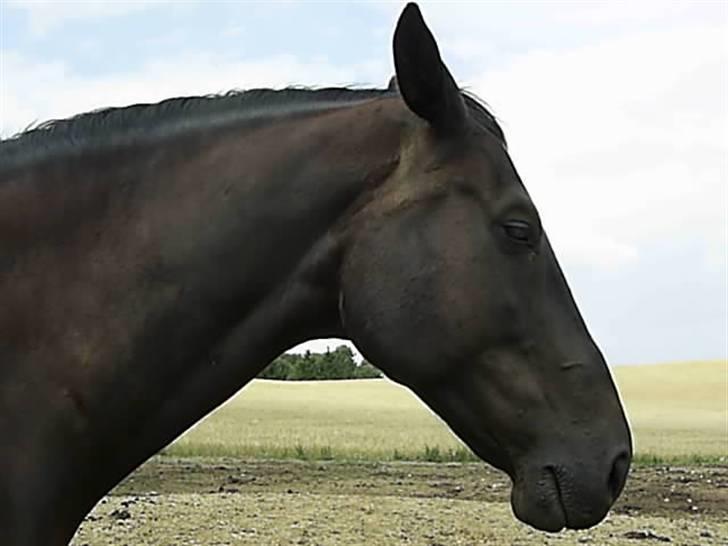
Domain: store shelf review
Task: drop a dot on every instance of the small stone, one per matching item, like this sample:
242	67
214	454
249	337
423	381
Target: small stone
120	514
646	535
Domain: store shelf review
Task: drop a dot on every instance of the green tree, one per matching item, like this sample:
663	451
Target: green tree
336	364
280	368
365	370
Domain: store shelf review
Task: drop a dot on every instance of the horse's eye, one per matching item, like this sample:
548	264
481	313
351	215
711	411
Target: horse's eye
519	231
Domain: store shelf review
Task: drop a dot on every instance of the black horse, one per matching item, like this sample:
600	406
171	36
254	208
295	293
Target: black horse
153	259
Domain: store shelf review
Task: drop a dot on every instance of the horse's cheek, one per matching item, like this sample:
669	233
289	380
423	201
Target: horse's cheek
395	304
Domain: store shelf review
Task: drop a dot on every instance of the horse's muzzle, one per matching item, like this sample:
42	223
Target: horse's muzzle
551	497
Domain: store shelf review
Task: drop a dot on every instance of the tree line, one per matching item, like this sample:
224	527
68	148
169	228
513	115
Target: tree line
336	364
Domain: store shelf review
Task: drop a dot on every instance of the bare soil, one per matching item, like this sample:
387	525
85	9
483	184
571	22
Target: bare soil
230	502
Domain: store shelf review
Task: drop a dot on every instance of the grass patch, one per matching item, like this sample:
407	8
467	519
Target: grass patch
428	454
318	453
694	459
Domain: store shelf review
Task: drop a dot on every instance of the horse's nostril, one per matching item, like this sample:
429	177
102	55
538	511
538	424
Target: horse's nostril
618	474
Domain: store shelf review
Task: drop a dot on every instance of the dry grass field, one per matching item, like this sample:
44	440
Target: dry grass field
677	409
677	412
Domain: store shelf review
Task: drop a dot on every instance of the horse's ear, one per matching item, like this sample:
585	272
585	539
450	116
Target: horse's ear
424	81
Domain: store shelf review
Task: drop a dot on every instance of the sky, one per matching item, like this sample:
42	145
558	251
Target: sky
616	114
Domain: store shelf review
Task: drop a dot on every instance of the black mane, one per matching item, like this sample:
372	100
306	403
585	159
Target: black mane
163	118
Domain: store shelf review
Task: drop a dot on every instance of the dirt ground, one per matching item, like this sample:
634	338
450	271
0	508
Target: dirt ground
229	502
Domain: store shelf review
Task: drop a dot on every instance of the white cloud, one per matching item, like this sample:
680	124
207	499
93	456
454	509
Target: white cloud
544	16
621	142
45	15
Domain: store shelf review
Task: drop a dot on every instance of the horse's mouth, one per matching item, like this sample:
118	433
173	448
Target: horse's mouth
558	501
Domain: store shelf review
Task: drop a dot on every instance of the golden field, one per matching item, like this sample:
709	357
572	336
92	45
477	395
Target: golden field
677	411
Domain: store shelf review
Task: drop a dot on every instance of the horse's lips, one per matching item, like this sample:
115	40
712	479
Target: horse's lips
559	498
545	498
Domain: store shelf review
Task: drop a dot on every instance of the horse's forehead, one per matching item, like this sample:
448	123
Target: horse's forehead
430	151
475	157
481	168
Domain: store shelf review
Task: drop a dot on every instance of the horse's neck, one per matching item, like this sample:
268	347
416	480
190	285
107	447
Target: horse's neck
255	211
210	256
218	256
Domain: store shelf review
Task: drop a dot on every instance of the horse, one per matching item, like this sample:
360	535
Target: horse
155	258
